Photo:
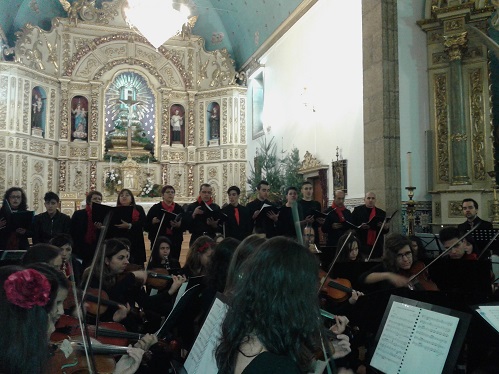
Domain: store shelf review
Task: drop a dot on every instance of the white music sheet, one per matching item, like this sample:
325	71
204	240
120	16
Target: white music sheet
414	340
201	358
491	314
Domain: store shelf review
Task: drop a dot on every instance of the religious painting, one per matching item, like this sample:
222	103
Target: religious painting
38	110
256	90
79	122
177	125
130	117
340	175
214	123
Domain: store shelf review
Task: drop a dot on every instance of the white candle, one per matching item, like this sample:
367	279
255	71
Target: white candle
409	169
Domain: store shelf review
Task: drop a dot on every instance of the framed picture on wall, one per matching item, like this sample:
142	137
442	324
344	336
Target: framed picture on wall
256	87
340	175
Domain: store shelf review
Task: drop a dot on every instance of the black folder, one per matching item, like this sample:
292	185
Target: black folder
21	219
119	213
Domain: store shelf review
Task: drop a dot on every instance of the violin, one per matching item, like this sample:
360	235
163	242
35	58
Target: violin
421	282
158	278
69	357
112	333
338	289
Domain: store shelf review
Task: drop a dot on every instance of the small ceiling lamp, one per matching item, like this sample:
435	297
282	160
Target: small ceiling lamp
156	20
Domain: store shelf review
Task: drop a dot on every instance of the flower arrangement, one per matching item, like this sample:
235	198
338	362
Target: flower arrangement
150	189
112	180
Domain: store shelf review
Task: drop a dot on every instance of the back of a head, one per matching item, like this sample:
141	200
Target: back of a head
219	264
41	252
61	239
449	233
270	276
24	330
242	252
276	300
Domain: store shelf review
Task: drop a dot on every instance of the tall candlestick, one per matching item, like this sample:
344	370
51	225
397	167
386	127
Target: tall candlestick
409	168
148	165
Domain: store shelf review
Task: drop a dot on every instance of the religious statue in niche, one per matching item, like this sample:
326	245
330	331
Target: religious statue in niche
214	123
177	115
130	115
38	111
79	114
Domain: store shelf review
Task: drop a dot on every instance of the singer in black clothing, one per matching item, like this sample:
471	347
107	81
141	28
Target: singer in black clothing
238	223
264	220
199	217
13	237
173	229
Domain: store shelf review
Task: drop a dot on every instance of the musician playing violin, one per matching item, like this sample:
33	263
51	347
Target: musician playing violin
126	289
28	306
397	266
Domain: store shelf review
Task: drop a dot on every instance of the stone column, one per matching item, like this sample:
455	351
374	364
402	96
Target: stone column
381	104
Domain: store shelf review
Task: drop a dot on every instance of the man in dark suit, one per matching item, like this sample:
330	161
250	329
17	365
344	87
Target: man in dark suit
199	218
470	211
370	220
238	222
263	220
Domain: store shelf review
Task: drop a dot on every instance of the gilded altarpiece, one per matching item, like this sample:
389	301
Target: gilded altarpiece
458	72
82	60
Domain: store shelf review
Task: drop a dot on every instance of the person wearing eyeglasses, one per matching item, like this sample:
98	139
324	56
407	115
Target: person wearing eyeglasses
396	263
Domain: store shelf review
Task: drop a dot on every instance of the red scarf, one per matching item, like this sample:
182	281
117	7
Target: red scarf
90	234
168	208
339	211
371	234
135	215
201	202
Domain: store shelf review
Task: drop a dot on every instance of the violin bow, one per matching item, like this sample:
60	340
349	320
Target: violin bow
296	222
444	253
334	261
99	251
379	234
488	244
155	238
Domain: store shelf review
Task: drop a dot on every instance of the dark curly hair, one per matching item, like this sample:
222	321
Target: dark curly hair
393	244
276	301
24	200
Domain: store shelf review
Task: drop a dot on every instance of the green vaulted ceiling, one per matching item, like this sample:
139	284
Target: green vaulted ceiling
240	26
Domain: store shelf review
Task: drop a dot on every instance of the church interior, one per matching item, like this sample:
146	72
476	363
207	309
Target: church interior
368	86
396	97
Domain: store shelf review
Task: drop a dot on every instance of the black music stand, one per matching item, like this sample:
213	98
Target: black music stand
431	243
480	239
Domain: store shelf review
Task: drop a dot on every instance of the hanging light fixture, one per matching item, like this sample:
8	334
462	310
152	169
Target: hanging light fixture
156	20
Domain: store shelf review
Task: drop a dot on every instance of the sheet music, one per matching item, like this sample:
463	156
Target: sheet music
265	205
490	313
201	358
411	334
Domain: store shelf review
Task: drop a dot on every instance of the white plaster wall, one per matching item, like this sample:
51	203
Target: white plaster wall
413	82
318	62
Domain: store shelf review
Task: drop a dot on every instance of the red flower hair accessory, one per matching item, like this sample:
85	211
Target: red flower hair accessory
204	247
27	288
